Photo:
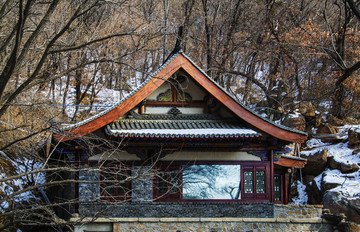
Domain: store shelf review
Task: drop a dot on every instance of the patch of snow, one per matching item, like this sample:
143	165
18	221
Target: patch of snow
312	143
349	184
318	180
295	114
333	176
343	130
343	154
325	104
340	151
302	197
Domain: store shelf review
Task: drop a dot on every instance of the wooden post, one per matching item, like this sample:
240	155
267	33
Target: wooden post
286	189
272	193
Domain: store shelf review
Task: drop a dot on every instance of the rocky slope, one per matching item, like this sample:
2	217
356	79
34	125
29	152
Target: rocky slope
331	176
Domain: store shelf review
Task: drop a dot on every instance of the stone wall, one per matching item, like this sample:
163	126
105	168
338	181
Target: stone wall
141	187
177	209
298	211
207	224
225	224
89	191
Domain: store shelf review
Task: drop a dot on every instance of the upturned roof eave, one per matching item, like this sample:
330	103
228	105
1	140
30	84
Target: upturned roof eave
89	125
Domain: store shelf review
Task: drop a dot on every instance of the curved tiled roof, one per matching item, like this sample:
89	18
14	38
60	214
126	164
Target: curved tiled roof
153	77
179	128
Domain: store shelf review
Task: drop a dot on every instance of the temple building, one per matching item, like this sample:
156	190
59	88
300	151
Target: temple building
178	146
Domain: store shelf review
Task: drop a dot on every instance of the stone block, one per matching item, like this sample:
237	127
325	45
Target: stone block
188	219
148	219
228	219
168	219
306	220
259	219
211	219
283	220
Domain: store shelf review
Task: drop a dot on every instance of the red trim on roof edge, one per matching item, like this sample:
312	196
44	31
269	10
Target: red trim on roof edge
291	163
182	62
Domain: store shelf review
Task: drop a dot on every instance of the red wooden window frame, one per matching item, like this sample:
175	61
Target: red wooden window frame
165	175
282	184
168	196
122	190
254	196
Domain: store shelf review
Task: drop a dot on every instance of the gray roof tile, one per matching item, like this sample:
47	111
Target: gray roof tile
190	126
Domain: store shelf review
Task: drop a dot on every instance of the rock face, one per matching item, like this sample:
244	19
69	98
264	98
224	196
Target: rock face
339	204
316	163
348	227
314	194
344	168
348	168
298	123
326	129
354	138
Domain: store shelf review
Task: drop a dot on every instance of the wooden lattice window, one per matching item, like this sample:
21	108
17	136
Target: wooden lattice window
115	184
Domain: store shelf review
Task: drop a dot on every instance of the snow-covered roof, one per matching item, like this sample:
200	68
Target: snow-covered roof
180	126
244	112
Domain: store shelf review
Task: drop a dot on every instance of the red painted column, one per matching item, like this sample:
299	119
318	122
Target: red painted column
286	188
272	188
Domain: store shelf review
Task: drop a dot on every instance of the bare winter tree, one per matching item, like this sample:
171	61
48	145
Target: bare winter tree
42	44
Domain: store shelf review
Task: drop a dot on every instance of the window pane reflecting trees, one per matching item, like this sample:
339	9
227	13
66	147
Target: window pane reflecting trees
211	182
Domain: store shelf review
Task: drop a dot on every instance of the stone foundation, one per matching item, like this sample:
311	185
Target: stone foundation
210	224
177	209
285	218
298	211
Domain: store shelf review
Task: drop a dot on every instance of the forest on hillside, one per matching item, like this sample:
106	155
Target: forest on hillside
57	56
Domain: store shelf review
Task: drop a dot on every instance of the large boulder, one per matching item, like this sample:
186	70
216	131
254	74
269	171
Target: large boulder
325	186
348	168
326	129
344	168
298	123
314	193
316	163
333	164
337	204
348	227
354	138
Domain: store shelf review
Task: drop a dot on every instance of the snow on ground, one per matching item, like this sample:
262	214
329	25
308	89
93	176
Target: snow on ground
340	151
302	197
349	184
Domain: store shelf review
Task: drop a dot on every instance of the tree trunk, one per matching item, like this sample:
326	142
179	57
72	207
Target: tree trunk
338	101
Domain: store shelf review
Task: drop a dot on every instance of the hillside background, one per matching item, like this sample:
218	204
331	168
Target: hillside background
295	62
